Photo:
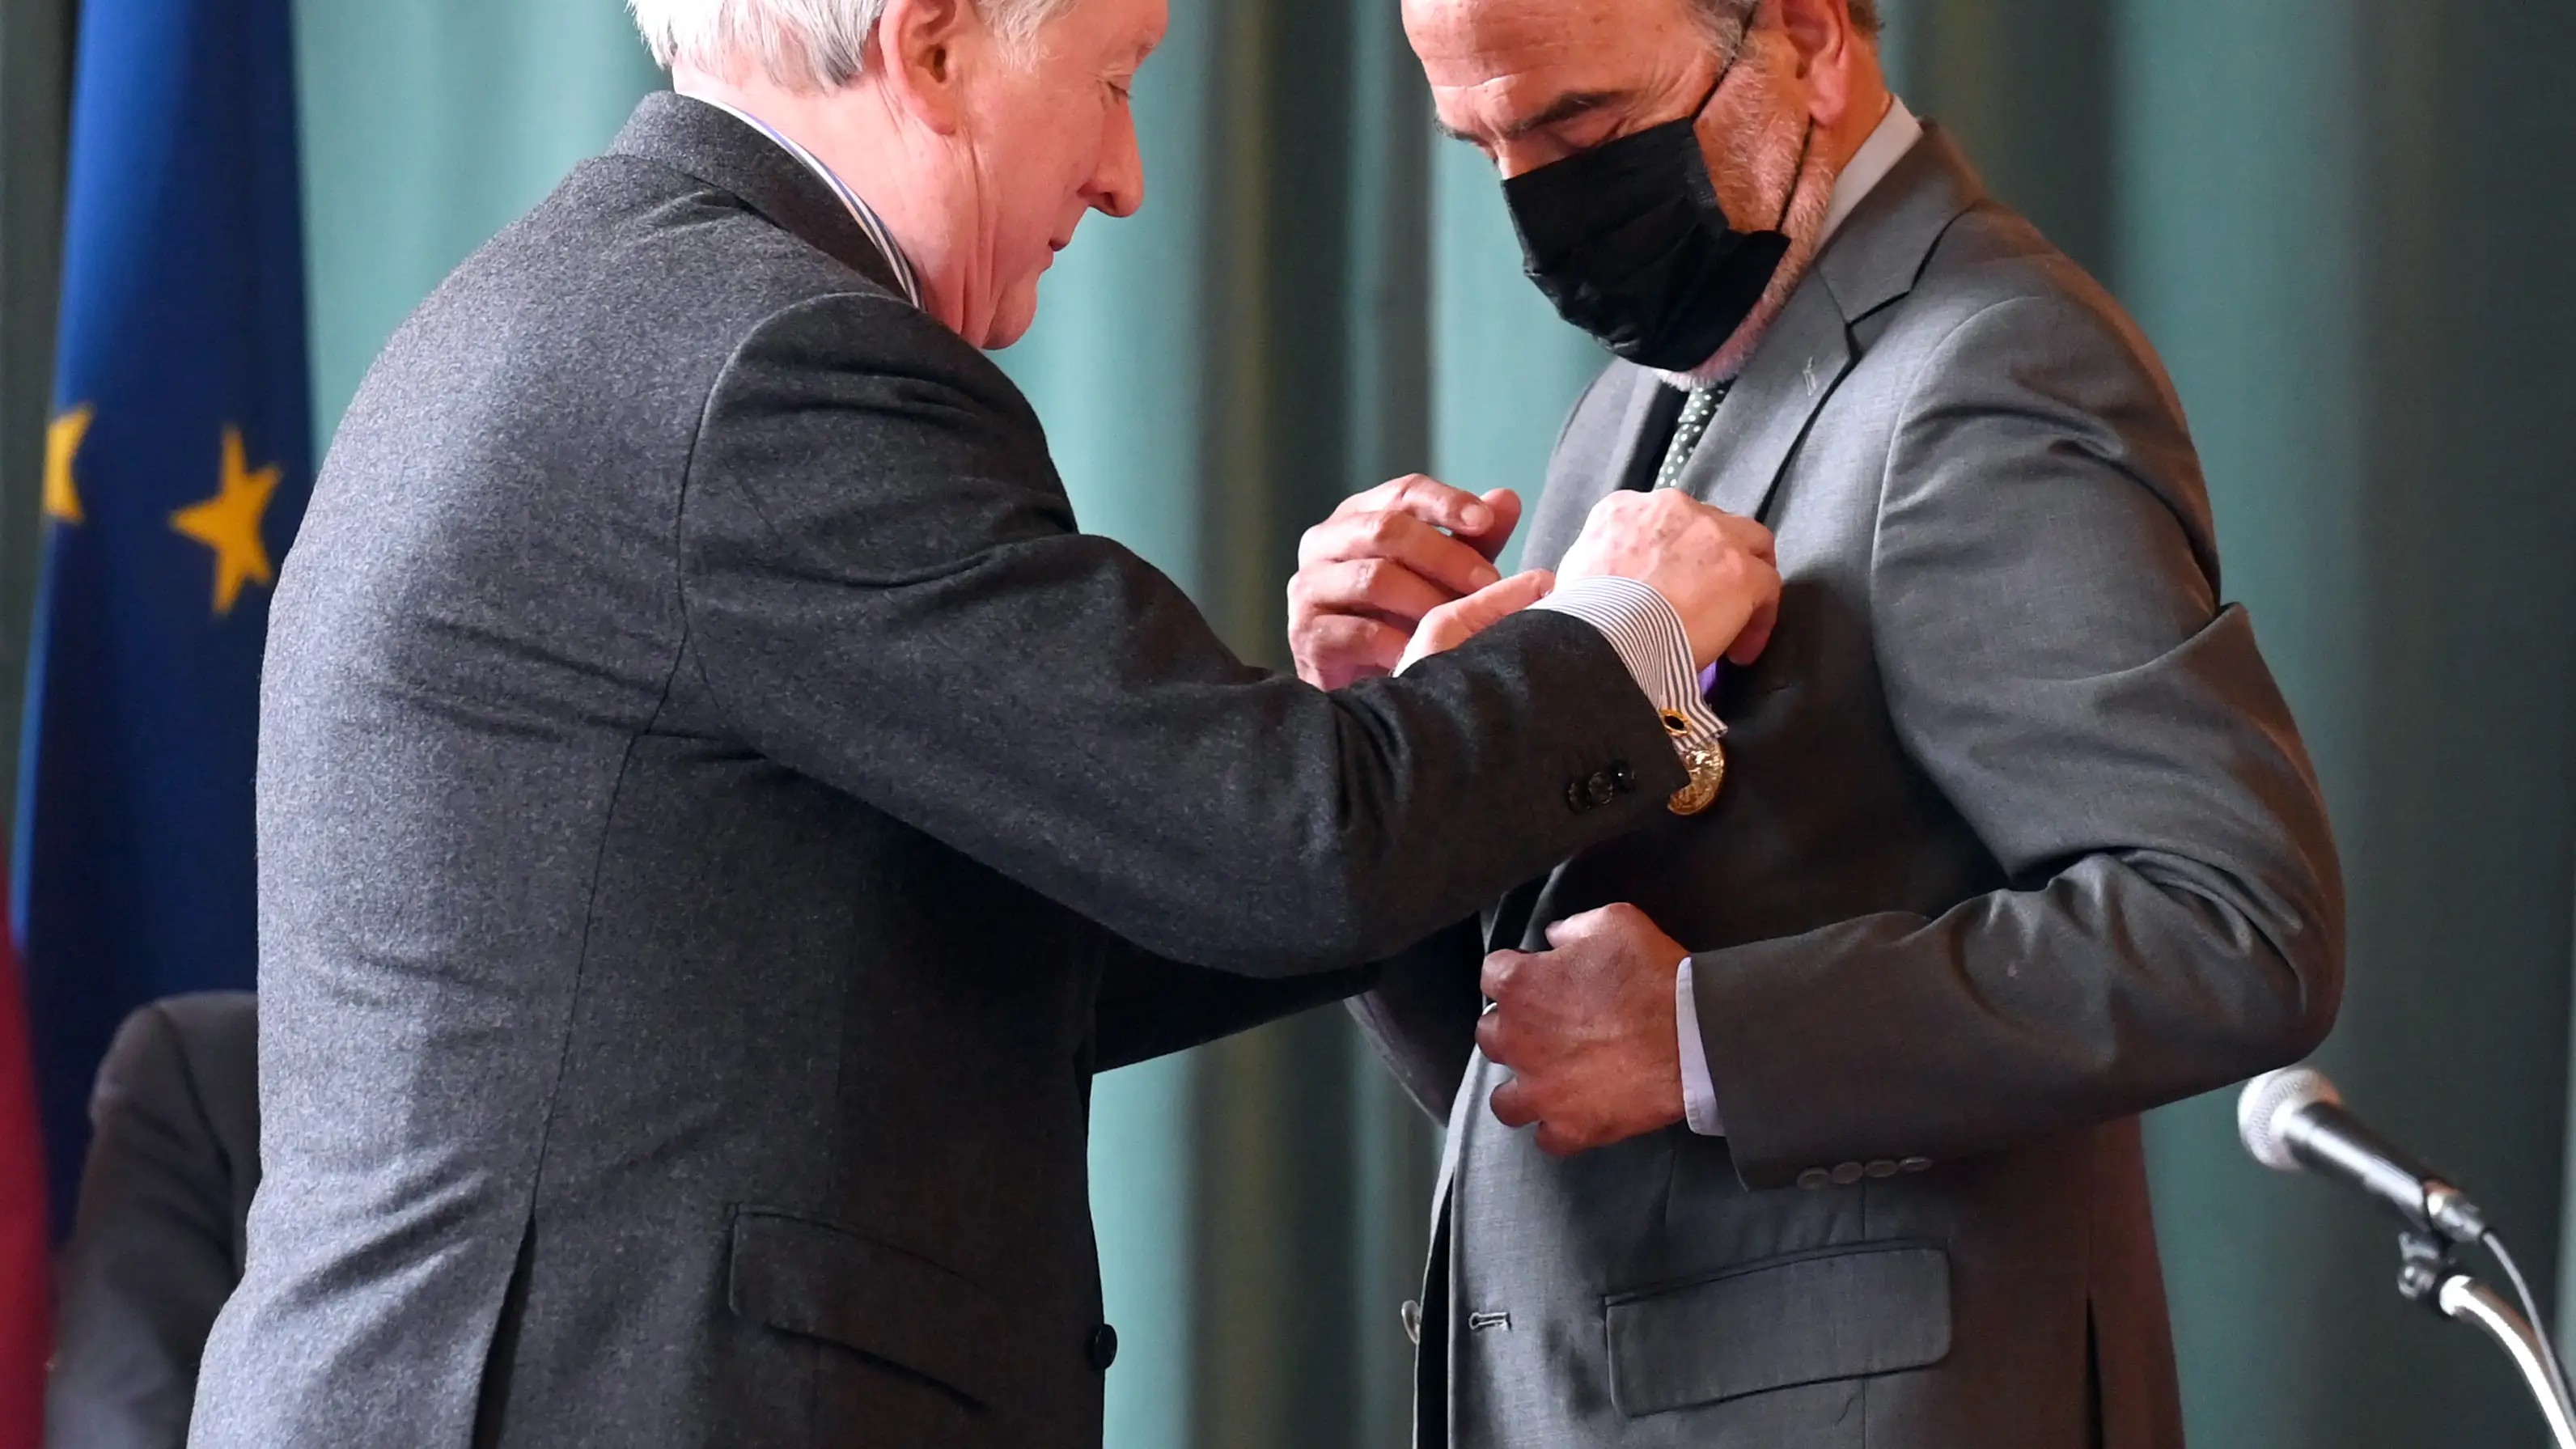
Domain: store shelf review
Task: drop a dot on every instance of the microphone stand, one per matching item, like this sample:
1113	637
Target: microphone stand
2431	1277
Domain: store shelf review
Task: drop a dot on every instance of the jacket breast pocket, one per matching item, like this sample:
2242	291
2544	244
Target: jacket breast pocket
817	1280
1842	1314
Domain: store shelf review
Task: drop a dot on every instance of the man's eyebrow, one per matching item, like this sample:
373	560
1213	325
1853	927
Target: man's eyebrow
1564	108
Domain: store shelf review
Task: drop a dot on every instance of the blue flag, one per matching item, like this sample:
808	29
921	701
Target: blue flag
176	467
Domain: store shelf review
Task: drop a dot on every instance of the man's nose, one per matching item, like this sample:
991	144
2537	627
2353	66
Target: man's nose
1118	187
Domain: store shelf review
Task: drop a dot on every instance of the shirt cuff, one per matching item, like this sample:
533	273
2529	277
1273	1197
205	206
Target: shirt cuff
1647	631
1699	1092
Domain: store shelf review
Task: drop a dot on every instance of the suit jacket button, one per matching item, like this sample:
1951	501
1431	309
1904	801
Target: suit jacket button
1847	1174
1103	1348
1881	1168
1915	1164
1411	1313
1815	1178
1601	788
1623	779
1577	798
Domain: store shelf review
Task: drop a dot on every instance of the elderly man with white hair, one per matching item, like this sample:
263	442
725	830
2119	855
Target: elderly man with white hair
717	812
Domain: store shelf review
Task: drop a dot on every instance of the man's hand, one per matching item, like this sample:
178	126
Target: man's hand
1368	576
1588	1031
1451	625
1717	569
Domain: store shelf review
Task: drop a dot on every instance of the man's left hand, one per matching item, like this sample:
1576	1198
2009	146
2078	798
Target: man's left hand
1588	1030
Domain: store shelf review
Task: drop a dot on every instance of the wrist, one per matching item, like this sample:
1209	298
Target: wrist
1699	1085
1649	636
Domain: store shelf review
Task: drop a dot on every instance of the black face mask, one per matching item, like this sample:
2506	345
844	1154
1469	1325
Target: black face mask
1630	243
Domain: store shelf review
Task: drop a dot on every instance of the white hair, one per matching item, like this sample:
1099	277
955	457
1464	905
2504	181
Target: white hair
800	44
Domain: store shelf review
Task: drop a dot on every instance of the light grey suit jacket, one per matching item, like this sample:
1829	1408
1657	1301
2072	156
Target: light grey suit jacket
2020	842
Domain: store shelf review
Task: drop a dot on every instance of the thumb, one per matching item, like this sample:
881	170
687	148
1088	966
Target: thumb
1748	646
1575	928
1506	519
1460	620
1498	601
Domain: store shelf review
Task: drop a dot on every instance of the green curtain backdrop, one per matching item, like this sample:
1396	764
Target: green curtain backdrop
1506	370
428	126
2338	219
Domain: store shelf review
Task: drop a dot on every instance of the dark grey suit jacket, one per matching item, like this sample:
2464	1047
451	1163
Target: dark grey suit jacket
157	1245
2019	842
708	793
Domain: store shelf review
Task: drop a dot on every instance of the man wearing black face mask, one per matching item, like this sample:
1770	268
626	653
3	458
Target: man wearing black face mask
1835	1084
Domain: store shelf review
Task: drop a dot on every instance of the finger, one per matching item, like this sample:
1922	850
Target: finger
1556	1141
1502	974
1334	650
1454	624
1622	917
1619	501
1491	540
1748	646
1403	539
1380	588
1493	1038
1503	598
1512	1106
1425	498
1575	930
1750	536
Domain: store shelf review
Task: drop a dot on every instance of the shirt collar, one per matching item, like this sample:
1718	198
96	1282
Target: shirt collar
1897	132
860	211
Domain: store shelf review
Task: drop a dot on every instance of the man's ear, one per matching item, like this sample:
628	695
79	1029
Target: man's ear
921	46
1822	39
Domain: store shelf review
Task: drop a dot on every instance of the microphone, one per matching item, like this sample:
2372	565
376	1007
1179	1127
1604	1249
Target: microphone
2294	1118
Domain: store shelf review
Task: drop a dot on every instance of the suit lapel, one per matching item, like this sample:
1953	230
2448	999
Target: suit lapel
1871	262
1795	369
1652	410
1874	260
1603	451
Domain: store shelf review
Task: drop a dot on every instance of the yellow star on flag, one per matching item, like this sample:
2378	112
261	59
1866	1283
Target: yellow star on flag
229	523
62	444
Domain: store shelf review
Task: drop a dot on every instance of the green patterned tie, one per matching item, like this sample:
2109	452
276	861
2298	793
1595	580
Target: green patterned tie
1696	415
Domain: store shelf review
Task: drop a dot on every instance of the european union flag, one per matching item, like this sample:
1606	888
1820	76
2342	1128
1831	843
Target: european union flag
177	466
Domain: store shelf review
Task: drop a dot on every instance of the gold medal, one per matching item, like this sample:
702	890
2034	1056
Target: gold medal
1706	762
1707	766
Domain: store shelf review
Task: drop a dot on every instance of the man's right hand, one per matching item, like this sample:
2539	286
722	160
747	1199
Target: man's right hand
1368	575
1717	570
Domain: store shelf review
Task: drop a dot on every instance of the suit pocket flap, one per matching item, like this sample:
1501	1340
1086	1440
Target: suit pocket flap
810	1278
1804	1320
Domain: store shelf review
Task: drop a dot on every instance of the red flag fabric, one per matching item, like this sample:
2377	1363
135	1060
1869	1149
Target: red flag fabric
25	1301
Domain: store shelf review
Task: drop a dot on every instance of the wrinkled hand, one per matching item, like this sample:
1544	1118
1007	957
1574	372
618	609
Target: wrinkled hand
1717	569
1370	575
1588	1030
1451	625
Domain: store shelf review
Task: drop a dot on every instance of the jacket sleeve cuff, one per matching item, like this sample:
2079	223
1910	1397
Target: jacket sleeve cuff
1647	631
